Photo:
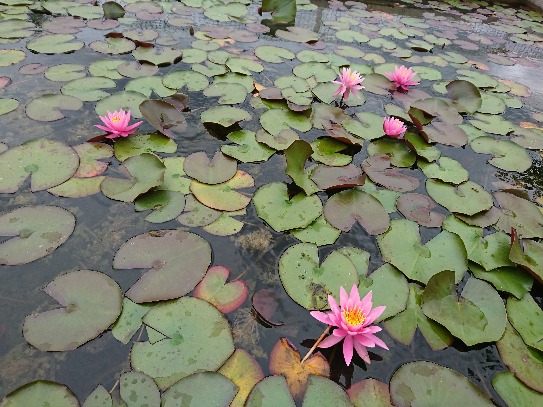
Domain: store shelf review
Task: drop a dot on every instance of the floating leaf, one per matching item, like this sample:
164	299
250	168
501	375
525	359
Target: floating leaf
519	214
160	251
165	205
89	153
11	56
47	108
197	338
467	198
320	232
204	388
399	153
130	320
298	34
143	143
529	257
247	148
492	124
296	155
370	392
127	100
112	10
99	397
426	384
272	54
514	392
337	177
285	360
272	391
230	93
54	44
508	155
465	95
322	391
88	89
417	207
158	57
401	246
513	280
445	133
214	289
421	147
41	392
309	284
244	371
137	389
92	302
226	116
147	85
526	317
377	167
197	214
444	169
274	121
164	117
283	11
174	179
223	196
194	81
65	72
78	187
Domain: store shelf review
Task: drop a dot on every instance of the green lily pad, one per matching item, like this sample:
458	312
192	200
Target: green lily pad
160	251
468	198
232	77
226	116
274	121
127	100
490	251
113	46
377	84
273	54
112	10
479	79
65	72
226	224
403	326
401	246
40	392
99	397
246	148
157	56
345	208
35	232
106	68
529	257
194	81
8	105
11	57
479	316
78	187
526	317
322	391
130	320
444	169
138	390
519	214
244	371
230	93
422	148
399	153
92	302
386	197
134	69
243	65
298	34
197	338
512	280
273	205
296	155
165	205
174	176
352	36
465	95
215	171
194	56
147	85
492	104
320	72
309	284
280	141
369	126
524	361
88	89
89	154
508	155
224	13
320	232
370	392
272	391
378	169
143	143
197	214
48	163
327	151
492	124
514	392
223	196
428	384
201	389
54	44
47	108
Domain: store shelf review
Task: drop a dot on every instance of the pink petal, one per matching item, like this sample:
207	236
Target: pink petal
333	305
322	317
362	352
354	295
133	126
343	297
348	349
330	341
377	341
374	314
340	332
365	341
103	128
366	304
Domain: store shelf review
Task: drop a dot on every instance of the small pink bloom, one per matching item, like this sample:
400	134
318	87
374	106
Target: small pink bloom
394	127
116	123
348	82
403	77
352	319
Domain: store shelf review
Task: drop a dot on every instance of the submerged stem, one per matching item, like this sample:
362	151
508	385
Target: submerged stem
316	343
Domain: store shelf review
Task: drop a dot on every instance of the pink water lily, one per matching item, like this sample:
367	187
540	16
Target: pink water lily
394	127
352	319
402	77
116	123
348	82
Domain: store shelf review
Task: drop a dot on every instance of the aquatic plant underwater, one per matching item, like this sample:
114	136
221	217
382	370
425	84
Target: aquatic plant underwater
267	144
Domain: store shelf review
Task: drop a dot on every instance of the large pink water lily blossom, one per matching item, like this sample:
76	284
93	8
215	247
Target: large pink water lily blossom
348	82
352	319
394	127
402	77
116	124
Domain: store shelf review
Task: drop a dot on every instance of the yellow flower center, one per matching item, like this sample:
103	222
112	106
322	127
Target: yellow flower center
353	316
116	118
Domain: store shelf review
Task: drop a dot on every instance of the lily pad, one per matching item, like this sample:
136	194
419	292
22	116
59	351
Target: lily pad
512	280
194	81
492	124
92	302
296	155
138	389
77	187
401	246
164	117
377	167
246	148
273	54
226	116
223	196
11	57
468	198
337	177
272	391
508	156
130	320
421	147
417	207
309	284
215	171
320	232
527	318
399	153
214	289
204	388
445	133
444	169
65	72
244	371
465	95
143	143
165	205
370	392
41	392
197	214
514	392
89	153
529	257
230	93
88	89
157	56
47	108
322	391
99	397
519	214
54	44
274	121
127	100
149	85
48	163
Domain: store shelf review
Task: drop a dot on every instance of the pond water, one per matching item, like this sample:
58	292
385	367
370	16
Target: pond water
232	78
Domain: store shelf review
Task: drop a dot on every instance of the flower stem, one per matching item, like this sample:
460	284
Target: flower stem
316	344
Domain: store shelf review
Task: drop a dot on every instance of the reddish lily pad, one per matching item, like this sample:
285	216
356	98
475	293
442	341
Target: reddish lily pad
92	302
244	371
417	207
378	169
164	117
214	289
465	95
47	108
47	162
265	304
223	196
159	251
337	177
445	133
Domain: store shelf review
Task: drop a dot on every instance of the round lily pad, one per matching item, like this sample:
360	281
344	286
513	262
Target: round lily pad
160	252
226	116
224	196
138	387
309	283
274	121
214	289
370	391
163	116
157	56
88	89
444	169
11	57
201	389
378	169
65	72
246	148
508	156
54	44
272	391
514	392
194	81
417	207
215	171
165	205
143	143
47	162
40	392
8	105
468	198
197	214
520	214
273	54
92	301
47	108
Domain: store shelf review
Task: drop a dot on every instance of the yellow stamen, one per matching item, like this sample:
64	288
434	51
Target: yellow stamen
353	316
116	118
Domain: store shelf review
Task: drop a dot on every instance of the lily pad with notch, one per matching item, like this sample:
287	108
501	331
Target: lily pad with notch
327	177
193	81
296	156
127	100
444	169
274	121
225	296
418	208
223	196
164	117
519	214
271	391
165	205
467	198
49	107
246	148
378	169
225	116
41	392
508	155
158	57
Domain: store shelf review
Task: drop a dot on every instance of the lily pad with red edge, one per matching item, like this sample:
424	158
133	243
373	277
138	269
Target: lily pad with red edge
197	214
89	154
444	169
272	391
307	281
524	361
214	289
35	231
274	121
519	214
47	162
281	212
337	177
345	208
78	187
164	117
514	392
165	205
324	392
526	317
401	246
197	338
467	198
41	392
135	386
426	384
92	301
201	389
130	320
320	232
223	196
530	257
265	304
142	172
160	251
285	360
403	326
418	208
157	56
246	148
445	133
244	371
99	397
477	317
370	392
143	143
296	156
49	107
378	169
465	95
194	81
508	156
225	116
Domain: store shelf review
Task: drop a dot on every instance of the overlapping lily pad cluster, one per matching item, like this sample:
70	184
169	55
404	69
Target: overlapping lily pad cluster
265	100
